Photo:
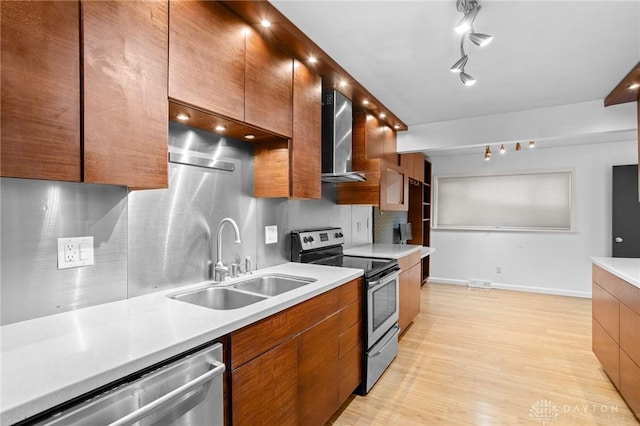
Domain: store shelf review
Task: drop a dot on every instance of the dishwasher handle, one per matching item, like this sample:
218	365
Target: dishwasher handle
170	397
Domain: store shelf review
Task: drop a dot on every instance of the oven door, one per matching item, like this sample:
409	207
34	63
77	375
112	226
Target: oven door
382	306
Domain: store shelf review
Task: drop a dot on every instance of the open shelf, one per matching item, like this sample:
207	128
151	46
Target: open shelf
420	215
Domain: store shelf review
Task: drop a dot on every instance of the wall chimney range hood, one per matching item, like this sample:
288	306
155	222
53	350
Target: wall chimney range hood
337	121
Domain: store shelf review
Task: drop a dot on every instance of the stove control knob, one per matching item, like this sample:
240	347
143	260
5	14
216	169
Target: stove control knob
310	239
305	239
341	235
337	235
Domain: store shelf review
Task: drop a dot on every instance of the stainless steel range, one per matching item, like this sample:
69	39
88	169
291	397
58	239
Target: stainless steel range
324	246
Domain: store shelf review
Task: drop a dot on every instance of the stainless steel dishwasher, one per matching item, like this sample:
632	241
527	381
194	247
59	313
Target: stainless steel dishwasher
187	391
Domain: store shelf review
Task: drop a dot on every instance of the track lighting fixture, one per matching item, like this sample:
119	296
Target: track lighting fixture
470	9
503	150
487	153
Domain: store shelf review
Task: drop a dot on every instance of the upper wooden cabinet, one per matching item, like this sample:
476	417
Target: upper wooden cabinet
387	184
207	57
125	47
220	65
268	101
292	168
40	112
413	163
124	84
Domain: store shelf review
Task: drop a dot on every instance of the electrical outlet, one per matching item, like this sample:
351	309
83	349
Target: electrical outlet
498	269
74	252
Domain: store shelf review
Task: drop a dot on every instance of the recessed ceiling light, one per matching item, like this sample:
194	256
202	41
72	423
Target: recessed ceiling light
365	102
313	59
182	116
382	115
265	23
343	83
220	128
634	86
397	127
250	136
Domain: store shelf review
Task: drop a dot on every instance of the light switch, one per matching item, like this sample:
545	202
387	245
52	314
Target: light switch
270	234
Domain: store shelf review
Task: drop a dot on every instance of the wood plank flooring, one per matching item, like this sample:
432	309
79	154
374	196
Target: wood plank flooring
492	357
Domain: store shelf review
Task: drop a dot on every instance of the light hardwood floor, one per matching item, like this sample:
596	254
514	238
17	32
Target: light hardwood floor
492	357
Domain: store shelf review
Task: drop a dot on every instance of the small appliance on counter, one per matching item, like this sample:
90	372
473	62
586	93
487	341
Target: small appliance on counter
324	246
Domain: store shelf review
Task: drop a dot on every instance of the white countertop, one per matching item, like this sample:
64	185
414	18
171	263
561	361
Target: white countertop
626	268
49	360
391	251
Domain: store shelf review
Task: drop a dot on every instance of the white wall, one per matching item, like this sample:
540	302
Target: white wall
556	263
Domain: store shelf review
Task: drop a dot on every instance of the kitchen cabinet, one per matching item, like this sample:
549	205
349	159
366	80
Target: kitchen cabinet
299	365
207	57
387	184
268	100
414	165
123	107
40	111
292	168
125	54
219	64
409	297
616	341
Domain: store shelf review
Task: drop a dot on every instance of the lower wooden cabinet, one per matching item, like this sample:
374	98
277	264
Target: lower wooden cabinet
616	335
265	390
409	297
299	365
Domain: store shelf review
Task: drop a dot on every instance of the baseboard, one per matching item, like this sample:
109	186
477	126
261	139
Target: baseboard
512	287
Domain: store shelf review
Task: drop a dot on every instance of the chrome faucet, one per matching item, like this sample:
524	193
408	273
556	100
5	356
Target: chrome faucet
221	271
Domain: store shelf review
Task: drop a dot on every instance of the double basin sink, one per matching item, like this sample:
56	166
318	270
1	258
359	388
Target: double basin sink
242	293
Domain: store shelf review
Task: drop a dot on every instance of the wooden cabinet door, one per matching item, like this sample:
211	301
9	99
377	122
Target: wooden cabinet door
206	57
318	372
373	138
40	111
606	310
265	390
306	149
630	382
406	162
390	145
607	351
403	296
125	47
268	86
418	167
394	187
414	291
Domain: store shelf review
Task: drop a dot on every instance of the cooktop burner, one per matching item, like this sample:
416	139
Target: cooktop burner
371	266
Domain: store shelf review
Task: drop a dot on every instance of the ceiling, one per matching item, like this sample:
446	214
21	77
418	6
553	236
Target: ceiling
544	53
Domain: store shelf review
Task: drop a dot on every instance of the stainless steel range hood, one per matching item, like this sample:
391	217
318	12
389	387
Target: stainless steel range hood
337	123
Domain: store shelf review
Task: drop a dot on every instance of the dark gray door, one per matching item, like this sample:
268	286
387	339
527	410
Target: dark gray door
626	212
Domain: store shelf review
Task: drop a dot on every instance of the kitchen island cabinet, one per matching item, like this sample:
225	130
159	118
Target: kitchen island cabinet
40	112
616	326
289	368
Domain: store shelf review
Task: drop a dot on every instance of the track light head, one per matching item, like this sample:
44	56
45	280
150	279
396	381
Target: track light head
467	79
458	67
480	39
487	153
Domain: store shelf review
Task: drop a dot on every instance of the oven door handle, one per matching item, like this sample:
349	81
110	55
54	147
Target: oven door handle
395	333
374	285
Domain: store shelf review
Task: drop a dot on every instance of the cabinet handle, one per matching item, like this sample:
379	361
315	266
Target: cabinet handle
619	239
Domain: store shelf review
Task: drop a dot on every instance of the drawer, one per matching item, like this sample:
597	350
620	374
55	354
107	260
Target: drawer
630	333
607	351
351	338
630	382
414	258
350	368
350	292
608	281
350	315
606	310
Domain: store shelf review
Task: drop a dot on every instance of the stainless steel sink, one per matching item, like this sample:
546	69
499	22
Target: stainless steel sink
243	293
221	298
272	285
